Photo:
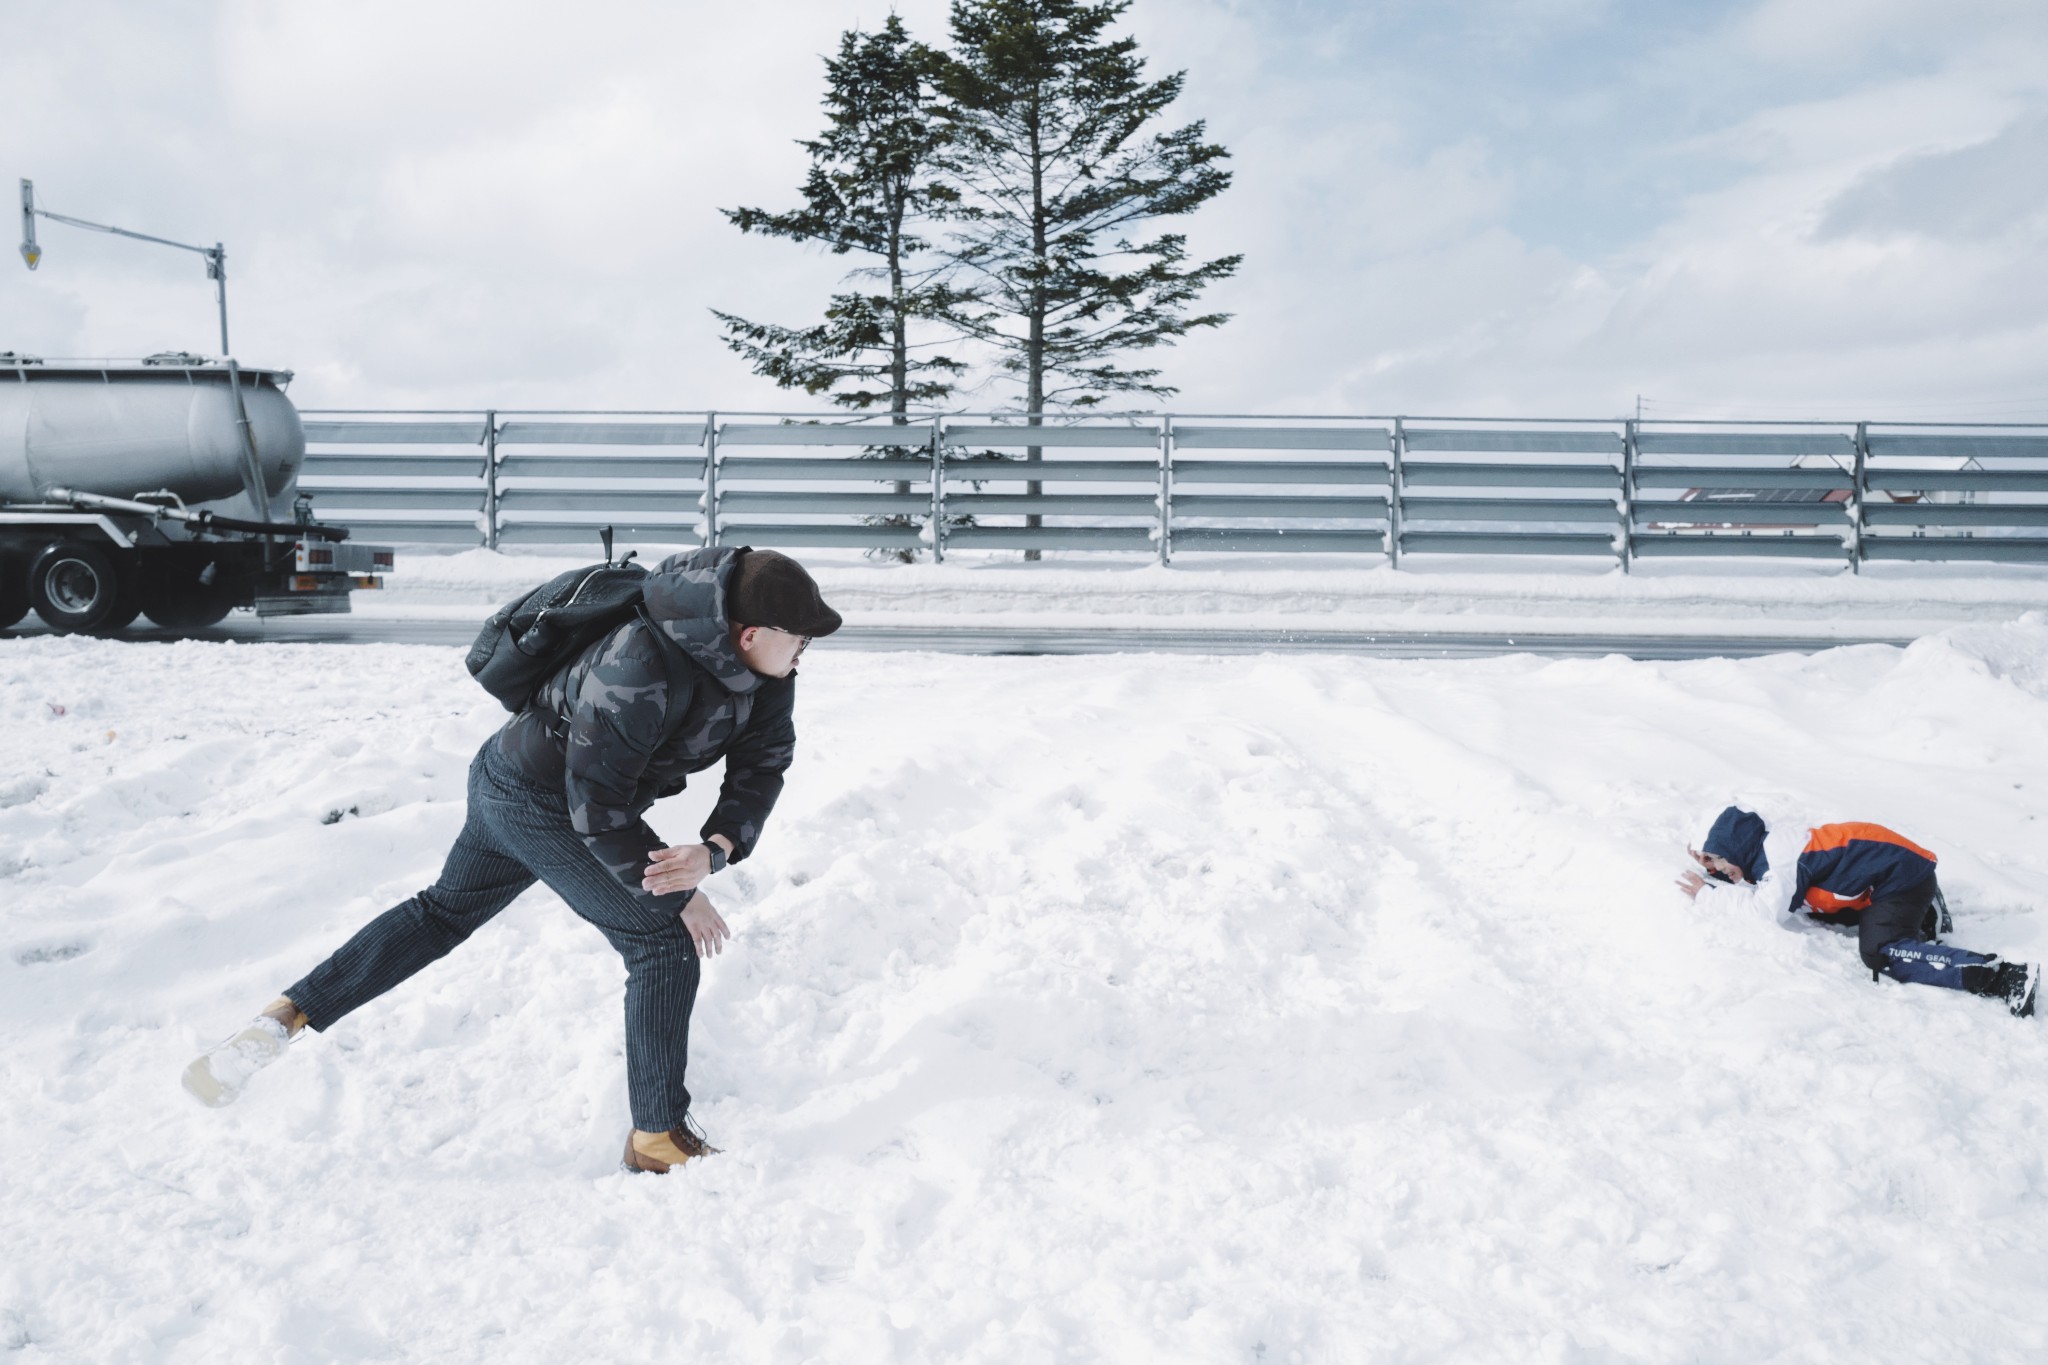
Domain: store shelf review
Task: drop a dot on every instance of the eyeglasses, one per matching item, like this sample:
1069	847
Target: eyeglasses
803	641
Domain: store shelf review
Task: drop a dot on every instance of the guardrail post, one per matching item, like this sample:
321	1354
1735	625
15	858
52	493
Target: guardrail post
491	479
938	494
1862	492
711	478
1628	495
1394	493
1165	490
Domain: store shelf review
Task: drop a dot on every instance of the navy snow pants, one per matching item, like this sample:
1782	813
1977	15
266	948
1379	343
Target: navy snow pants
1896	936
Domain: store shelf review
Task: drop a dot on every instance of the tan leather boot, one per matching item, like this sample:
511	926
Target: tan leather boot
286	1013
654	1153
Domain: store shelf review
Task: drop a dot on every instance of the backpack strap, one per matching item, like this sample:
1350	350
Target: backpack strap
672	655
672	659
742	711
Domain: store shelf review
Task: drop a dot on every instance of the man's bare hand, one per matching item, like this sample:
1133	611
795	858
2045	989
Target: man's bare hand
1691	883
706	925
676	869
680	868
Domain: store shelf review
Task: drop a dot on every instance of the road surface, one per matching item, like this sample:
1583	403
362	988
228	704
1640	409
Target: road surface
996	638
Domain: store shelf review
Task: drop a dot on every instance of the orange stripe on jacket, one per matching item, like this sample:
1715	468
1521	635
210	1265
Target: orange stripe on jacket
1835	836
1823	838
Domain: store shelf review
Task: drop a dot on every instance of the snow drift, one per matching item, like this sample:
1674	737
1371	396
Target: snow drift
1127	1008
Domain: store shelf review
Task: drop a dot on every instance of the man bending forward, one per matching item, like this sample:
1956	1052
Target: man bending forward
557	796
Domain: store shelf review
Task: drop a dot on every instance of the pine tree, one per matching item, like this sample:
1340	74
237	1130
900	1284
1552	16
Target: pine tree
869	188
1047	146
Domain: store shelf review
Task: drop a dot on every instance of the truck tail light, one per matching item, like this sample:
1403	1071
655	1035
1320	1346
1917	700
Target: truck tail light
305	582
380	559
319	554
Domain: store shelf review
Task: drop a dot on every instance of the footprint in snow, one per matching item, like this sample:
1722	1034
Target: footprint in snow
22	790
52	952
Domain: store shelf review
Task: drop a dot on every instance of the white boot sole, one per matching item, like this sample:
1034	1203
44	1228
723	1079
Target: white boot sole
217	1077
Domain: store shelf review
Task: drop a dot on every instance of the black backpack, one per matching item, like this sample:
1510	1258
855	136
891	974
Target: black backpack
536	635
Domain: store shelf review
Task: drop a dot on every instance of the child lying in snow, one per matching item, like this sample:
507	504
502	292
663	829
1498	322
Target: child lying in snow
1860	874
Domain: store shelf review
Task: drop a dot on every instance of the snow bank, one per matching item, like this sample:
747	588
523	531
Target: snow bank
1281	1009
1327	592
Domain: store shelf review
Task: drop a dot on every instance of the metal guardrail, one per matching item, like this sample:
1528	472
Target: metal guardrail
1164	485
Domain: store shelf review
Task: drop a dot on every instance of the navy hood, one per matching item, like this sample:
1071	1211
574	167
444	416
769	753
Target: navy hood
1738	836
685	594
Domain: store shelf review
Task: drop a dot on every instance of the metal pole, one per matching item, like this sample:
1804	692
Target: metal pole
216	255
1166	490
30	251
491	479
217	266
938	494
252	463
711	478
1394	494
1032	488
1862	491
1628	494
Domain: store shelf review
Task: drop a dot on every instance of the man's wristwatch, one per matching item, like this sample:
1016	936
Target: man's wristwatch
718	858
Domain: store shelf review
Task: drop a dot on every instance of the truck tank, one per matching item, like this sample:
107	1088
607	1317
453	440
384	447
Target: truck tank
106	467
118	428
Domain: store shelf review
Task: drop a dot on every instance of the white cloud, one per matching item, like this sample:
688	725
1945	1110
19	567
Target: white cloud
1747	296
1822	36
1985	190
1799	203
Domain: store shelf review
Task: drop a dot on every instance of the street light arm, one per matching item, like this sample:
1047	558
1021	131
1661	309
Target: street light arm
216	255
123	232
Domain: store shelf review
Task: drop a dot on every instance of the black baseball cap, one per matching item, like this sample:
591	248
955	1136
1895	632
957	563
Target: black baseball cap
768	588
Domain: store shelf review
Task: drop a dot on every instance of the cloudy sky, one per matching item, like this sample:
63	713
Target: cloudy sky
1545	207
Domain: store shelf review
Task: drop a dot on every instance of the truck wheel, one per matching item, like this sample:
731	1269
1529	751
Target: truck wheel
13	592
76	587
127	607
185	603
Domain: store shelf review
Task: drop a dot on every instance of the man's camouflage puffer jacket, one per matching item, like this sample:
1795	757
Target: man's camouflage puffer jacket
594	730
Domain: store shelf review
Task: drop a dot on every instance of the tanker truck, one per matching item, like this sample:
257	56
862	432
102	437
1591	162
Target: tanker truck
123	491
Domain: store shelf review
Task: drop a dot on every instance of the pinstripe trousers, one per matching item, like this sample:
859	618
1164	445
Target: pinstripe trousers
518	833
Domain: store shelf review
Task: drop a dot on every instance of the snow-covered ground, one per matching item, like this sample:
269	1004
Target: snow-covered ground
1439	592
1097	1009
